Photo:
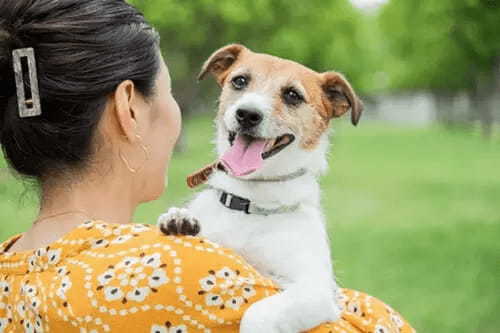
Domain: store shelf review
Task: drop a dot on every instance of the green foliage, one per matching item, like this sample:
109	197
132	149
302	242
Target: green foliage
410	44
413	215
445	44
324	35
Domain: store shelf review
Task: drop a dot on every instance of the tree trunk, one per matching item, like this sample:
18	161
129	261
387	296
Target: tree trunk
444	108
482	101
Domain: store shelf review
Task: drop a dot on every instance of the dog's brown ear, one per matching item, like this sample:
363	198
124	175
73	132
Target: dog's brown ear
341	96
220	61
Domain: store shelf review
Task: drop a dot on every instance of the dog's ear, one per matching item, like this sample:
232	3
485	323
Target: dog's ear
220	61
341	96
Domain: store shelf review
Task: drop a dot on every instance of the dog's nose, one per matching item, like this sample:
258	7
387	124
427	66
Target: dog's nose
248	119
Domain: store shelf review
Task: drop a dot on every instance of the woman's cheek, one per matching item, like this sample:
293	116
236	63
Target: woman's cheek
175	118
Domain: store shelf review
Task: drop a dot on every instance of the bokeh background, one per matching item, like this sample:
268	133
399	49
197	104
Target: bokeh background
412	197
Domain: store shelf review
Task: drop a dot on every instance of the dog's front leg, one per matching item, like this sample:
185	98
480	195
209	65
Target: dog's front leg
178	221
297	309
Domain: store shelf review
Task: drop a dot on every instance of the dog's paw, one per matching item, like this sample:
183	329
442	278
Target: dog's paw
262	317
178	221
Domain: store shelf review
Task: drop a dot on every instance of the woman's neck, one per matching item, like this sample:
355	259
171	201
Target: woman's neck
110	201
65	206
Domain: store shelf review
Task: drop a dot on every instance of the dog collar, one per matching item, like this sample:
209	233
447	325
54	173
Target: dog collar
235	202
201	176
283	178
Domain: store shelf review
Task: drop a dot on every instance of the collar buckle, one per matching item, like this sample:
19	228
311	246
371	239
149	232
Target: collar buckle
235	202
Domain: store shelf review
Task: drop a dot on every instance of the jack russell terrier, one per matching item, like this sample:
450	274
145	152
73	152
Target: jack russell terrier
263	196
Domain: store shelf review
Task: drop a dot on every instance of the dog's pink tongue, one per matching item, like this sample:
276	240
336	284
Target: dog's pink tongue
242	157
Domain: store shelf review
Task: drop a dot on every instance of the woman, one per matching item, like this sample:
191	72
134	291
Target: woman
99	145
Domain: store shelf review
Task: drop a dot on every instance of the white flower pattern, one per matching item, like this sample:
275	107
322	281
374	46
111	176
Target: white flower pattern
106	277
4	289
54	256
101	242
208	283
65	285
381	329
226	288
213	300
158	278
133	278
113	293
43	258
235	302
121	239
138	294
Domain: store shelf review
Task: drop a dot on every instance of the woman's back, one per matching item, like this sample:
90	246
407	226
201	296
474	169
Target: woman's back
104	277
110	277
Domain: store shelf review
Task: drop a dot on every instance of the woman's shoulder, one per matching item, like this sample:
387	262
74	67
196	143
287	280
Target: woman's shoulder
109	242
136	273
111	277
197	284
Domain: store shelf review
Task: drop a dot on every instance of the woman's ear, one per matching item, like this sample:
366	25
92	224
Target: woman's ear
124	109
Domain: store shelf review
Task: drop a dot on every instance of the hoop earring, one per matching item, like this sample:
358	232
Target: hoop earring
146	155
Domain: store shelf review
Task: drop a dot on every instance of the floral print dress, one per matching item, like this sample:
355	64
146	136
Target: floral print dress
104	277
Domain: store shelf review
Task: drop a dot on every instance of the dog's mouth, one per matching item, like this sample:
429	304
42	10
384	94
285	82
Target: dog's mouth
247	152
272	147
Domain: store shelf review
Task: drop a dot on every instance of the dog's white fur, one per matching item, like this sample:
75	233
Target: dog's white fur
291	248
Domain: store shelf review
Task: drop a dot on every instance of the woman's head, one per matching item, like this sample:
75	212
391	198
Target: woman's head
91	56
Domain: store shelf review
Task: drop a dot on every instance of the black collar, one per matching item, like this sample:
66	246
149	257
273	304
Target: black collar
234	202
237	203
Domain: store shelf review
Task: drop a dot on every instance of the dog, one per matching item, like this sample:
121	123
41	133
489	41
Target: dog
263	195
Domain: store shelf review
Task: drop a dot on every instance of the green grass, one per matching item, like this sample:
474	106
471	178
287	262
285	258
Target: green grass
414	215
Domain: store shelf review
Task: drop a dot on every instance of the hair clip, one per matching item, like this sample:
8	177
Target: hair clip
28	97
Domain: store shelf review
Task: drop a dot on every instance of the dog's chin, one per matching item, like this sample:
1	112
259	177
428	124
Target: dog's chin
273	145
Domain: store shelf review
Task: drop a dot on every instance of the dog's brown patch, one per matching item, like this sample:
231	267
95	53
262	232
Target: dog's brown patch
327	95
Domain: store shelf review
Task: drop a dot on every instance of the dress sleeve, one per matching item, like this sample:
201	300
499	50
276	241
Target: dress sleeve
362	313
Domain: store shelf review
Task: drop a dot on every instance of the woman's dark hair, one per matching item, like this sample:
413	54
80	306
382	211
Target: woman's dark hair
84	49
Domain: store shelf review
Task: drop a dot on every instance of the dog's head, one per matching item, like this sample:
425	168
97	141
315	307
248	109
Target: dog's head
274	113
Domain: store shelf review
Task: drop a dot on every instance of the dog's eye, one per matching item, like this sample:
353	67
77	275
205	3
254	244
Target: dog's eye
239	82
292	97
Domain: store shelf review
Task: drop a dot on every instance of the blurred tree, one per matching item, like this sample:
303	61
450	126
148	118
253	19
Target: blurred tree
322	34
442	44
445	45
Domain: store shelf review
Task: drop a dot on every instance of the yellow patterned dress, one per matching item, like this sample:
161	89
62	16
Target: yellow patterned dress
104	277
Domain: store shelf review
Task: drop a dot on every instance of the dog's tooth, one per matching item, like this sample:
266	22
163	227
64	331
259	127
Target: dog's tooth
269	144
